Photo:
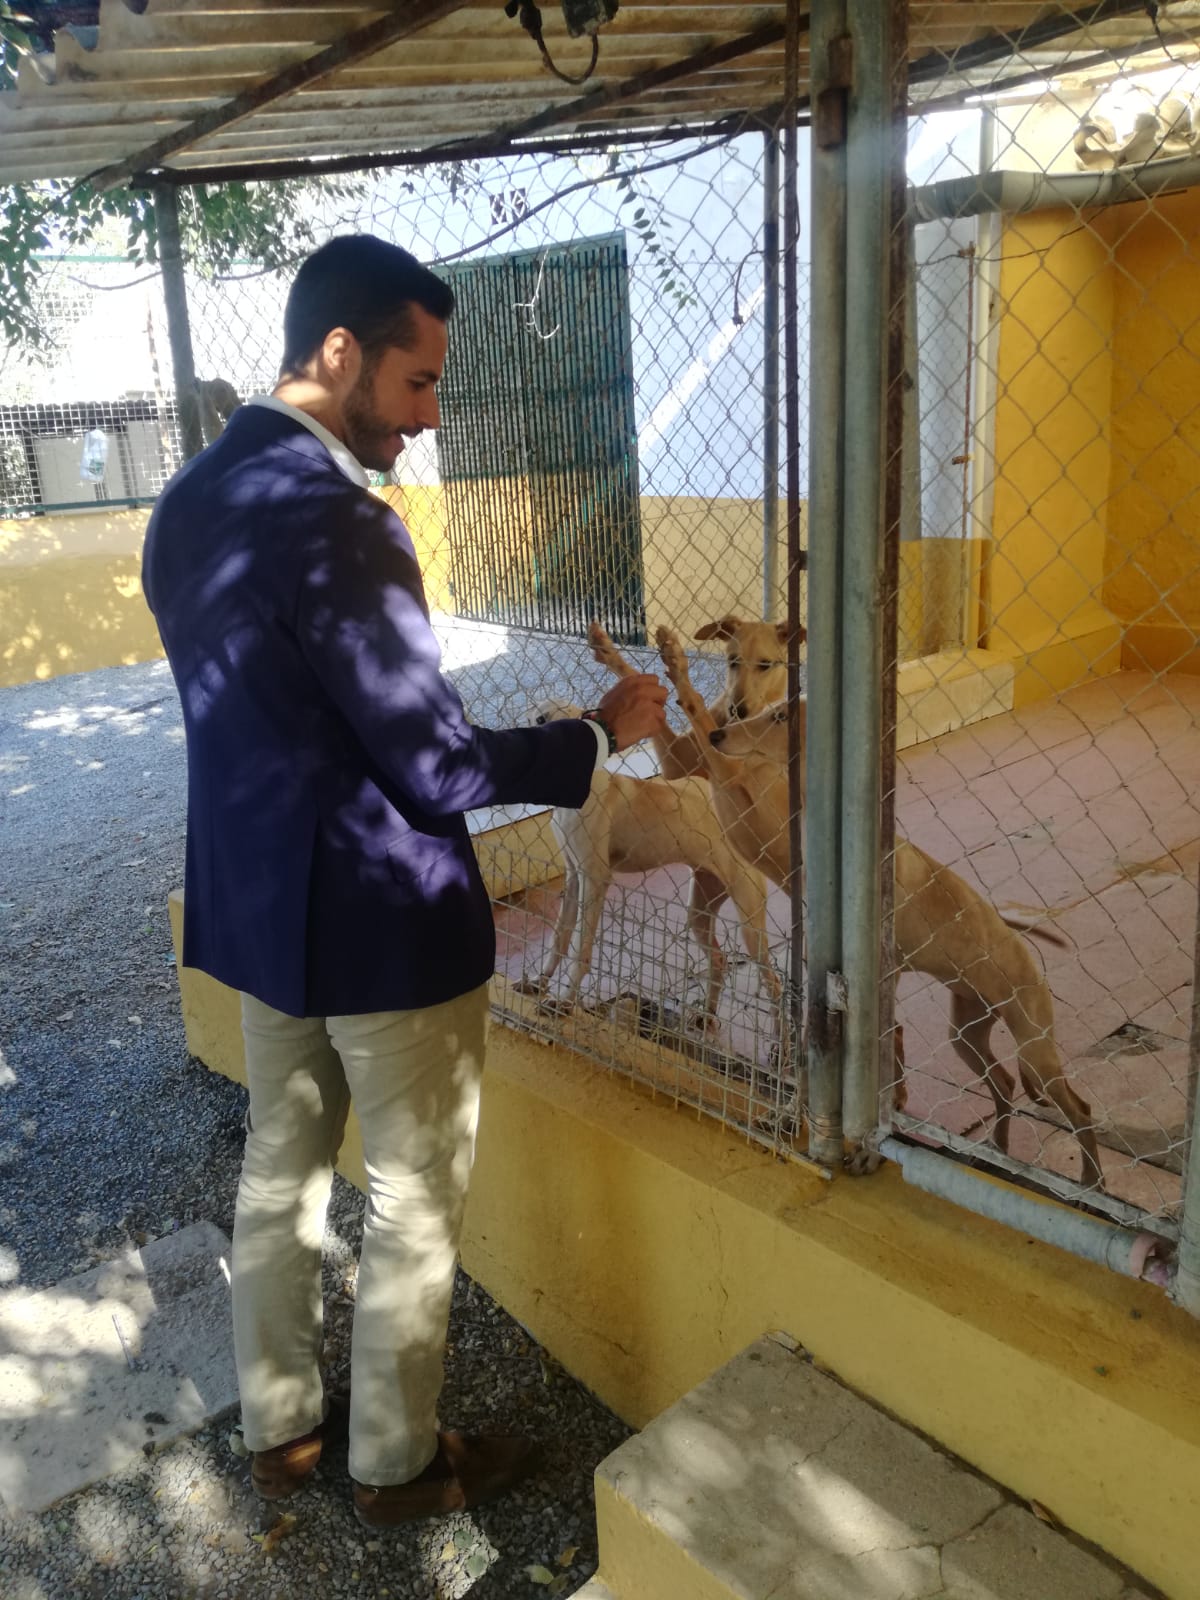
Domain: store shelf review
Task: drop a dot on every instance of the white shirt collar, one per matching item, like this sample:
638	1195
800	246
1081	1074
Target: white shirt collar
353	469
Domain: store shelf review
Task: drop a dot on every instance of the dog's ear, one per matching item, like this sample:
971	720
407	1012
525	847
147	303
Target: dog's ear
781	633
722	628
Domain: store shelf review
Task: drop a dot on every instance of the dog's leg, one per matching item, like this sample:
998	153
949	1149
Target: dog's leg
606	653
1030	1019
971	1020
564	926
676	752
674	660
706	897
748	891
595	879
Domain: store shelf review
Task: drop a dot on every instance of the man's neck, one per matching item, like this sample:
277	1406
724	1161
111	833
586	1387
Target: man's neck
309	396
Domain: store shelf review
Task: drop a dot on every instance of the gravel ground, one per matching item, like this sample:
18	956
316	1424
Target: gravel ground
110	1134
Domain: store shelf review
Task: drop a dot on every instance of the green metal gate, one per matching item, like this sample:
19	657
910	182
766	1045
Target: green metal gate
538	449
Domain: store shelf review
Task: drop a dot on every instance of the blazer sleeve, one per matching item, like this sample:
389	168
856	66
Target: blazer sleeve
363	627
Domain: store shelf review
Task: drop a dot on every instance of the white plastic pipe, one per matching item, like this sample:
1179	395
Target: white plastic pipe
1041	191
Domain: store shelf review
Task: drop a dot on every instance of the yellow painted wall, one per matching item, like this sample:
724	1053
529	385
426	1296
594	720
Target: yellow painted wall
71	594
701	558
936	576
1152	563
704	558
423	512
645	1247
71	600
1043	576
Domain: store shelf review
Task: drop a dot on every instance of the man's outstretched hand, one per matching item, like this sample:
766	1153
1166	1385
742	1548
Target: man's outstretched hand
634	709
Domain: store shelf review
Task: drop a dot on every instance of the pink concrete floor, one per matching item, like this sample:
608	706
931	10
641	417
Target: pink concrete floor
1082	809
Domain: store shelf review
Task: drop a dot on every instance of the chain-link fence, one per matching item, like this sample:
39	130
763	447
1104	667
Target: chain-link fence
601	460
93	421
609	456
1047	839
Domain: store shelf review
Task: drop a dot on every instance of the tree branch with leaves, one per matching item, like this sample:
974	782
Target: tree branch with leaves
270	224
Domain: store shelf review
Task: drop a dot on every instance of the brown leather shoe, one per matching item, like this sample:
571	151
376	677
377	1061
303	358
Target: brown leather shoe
468	1470
279	1472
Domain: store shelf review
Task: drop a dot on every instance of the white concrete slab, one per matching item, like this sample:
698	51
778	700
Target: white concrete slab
772	1480
111	1364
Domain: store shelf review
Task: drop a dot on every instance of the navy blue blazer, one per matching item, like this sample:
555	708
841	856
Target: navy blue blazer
329	869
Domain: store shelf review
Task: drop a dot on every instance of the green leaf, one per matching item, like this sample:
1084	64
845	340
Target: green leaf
267	224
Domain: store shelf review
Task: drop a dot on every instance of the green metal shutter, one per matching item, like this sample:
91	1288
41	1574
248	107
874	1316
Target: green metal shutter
538	447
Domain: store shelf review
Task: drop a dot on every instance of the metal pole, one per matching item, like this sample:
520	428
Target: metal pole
868	289
985	340
1136	1255
170	258
830	72
1186	1289
795	556
911	517
901	506
770	604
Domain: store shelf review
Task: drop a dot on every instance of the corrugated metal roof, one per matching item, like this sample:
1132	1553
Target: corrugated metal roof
174	76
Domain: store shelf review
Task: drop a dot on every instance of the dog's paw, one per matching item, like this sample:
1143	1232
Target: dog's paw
671	651
862	1162
603	649
528	985
705	1023
555	1008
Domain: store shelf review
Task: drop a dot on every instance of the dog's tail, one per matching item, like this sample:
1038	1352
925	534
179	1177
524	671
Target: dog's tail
1033	927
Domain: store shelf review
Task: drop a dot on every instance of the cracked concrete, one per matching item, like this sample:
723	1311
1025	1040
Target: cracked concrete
770	1481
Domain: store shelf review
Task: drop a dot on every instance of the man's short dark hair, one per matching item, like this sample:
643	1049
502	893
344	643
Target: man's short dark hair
364	284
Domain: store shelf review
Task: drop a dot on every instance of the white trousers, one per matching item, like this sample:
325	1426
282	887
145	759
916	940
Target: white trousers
414	1078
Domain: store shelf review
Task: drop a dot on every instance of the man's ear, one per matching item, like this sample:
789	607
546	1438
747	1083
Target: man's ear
341	354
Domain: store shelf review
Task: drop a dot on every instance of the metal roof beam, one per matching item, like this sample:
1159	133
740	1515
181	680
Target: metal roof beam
401	23
597	100
601	99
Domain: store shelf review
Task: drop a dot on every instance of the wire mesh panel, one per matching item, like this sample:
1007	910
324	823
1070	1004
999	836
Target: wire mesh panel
1047	833
90	417
537	454
601	460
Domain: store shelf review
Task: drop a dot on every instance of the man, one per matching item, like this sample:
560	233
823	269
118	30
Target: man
330	877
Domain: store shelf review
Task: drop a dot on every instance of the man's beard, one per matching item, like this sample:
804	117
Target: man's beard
368	437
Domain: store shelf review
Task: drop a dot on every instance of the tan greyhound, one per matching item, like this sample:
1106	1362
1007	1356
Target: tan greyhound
942	925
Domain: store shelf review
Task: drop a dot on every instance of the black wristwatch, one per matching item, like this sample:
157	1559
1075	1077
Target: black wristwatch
605	727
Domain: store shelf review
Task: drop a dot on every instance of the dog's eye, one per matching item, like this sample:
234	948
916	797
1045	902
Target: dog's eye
539	719
735	661
765	666
781	715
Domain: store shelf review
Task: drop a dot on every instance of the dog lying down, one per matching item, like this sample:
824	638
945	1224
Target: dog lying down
635	825
943	926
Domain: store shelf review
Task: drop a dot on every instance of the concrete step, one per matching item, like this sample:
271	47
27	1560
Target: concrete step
771	1479
593	1589
111	1363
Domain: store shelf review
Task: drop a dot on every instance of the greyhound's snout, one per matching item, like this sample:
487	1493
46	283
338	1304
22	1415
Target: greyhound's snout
717	736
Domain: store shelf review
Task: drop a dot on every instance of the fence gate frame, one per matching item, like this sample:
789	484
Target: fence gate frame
861	261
